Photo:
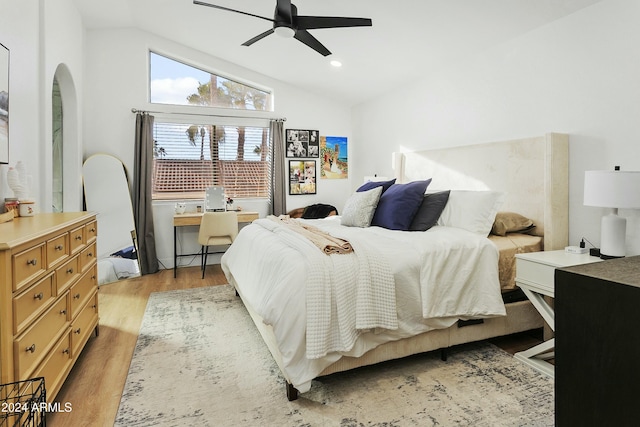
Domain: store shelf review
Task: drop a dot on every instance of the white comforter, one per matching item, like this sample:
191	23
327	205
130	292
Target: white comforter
441	275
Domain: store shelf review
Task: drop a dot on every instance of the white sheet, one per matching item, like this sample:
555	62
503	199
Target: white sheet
441	275
341	301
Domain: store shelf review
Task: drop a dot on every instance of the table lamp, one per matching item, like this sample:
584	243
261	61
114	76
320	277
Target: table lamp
612	189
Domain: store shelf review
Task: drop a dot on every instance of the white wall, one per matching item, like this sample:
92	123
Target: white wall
116	81
19	32
41	36
579	75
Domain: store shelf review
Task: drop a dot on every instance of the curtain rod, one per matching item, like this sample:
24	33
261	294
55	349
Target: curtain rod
135	110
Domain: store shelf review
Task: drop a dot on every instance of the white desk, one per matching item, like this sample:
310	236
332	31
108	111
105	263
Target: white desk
535	273
192	219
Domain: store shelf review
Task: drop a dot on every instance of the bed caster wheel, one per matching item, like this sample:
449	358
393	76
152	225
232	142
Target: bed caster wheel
292	392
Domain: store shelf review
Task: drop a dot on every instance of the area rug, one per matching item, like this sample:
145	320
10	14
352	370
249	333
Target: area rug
199	361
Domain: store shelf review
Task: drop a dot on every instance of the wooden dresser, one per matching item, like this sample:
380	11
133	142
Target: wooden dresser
48	295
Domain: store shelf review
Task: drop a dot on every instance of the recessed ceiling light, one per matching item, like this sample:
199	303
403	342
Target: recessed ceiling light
336	63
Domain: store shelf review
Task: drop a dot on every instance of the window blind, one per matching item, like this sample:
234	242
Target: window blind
188	158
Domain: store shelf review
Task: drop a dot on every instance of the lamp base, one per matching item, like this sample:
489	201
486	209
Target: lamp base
612	236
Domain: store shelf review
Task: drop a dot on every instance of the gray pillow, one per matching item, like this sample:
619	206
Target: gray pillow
359	209
432	206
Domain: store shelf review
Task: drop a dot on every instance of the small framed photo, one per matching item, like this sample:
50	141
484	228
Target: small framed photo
302	143
302	177
313	149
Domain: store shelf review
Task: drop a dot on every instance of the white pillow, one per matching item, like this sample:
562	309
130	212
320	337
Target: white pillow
474	211
359	209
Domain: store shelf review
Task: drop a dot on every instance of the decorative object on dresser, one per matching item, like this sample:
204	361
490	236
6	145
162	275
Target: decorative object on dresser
48	295
535	276
597	352
612	189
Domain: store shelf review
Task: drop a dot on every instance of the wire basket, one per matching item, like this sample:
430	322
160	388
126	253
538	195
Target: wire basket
23	403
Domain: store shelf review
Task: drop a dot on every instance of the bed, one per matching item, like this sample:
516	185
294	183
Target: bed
447	283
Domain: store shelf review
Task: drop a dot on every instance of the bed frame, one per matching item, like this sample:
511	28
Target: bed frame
534	174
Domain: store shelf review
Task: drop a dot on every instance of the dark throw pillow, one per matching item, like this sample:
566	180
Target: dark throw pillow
429	211
399	204
373	184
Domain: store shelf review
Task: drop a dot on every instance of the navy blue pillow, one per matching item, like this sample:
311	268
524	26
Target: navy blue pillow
373	184
429	211
399	204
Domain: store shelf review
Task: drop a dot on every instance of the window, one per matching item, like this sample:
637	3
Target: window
188	158
173	82
194	152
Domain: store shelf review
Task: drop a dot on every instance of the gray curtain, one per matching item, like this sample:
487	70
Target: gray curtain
142	210
278	198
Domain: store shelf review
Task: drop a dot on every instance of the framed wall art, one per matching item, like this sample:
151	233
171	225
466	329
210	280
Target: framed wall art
4	104
302	177
302	143
333	160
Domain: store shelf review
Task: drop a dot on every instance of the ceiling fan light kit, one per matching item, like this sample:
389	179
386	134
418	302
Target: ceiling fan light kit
287	23
285	32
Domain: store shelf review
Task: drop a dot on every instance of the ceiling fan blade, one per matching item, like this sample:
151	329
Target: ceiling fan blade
258	37
230	10
312	42
315	22
283	10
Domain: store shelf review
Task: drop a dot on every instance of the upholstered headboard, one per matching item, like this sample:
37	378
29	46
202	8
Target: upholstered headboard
533	172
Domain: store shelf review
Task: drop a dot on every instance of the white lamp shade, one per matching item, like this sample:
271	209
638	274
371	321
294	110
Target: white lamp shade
612	189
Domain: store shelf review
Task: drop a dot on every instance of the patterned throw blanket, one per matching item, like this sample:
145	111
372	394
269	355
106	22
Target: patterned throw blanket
345	295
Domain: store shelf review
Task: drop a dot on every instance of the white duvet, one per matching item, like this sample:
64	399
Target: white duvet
441	275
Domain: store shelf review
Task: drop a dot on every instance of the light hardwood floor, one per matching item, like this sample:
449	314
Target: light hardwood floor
95	385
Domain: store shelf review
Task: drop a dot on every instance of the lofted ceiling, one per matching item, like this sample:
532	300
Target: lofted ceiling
408	37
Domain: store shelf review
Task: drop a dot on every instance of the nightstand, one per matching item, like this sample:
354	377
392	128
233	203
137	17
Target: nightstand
535	273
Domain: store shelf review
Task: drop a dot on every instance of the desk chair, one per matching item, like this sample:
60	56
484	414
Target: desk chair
216	228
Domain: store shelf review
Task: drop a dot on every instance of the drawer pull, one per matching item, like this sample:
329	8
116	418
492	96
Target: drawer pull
78	237
77	331
31	348
39	296
90	254
70	271
63	311
94	306
59	247
32	261
65	351
76	296
93	230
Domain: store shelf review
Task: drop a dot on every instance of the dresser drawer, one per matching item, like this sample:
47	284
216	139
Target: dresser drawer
32	346
76	240
91	231
87	257
83	325
57	250
28	265
55	366
83	290
28	305
67	274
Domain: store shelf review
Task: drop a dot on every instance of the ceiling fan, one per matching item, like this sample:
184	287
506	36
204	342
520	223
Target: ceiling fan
287	23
